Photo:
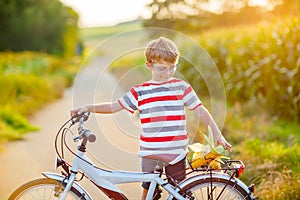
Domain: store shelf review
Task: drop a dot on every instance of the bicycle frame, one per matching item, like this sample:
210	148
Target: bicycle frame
106	180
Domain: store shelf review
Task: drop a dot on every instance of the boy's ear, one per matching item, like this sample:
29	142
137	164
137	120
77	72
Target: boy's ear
148	64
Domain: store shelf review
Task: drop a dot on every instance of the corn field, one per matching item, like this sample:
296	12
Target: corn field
259	65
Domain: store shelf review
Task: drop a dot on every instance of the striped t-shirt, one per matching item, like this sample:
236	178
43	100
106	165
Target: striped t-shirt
161	105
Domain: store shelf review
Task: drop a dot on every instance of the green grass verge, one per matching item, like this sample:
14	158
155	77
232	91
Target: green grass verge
28	81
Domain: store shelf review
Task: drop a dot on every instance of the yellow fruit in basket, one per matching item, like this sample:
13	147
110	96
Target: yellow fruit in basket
215	165
199	162
197	155
211	155
204	159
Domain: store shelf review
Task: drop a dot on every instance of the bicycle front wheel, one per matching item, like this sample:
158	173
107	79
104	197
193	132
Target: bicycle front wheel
42	189
215	188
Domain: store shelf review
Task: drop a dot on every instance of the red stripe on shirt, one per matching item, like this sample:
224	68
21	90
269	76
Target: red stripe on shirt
133	92
164	139
163	118
161	98
187	91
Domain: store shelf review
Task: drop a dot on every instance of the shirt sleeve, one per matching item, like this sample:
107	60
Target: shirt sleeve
190	98
129	101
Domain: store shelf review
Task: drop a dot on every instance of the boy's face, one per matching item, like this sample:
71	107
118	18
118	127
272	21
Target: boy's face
162	71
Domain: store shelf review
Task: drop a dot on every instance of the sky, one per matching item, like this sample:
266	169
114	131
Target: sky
95	13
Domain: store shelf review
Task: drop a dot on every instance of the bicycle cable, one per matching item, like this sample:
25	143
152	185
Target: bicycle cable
56	137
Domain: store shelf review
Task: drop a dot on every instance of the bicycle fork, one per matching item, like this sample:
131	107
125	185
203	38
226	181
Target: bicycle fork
68	186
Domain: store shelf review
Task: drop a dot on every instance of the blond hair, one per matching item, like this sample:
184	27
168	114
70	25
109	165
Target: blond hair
162	50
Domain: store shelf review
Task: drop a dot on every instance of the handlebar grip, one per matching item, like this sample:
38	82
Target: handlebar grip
90	136
84	116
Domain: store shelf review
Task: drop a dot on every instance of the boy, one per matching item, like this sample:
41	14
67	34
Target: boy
161	103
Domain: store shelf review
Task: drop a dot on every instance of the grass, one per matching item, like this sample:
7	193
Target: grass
281	185
28	81
108	40
13	125
270	149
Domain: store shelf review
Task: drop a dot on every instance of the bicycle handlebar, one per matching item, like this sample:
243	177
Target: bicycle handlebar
84	116
87	134
83	132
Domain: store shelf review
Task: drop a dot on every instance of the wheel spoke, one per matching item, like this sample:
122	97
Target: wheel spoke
216	189
43	189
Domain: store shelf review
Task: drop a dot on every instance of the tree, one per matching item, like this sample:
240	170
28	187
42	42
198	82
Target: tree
180	9
37	25
166	13
189	15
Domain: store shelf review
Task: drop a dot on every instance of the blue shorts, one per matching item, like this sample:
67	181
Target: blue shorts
176	171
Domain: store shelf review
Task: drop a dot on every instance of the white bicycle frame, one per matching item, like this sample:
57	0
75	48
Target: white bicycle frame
108	179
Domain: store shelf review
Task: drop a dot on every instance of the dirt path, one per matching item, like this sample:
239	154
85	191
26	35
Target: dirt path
116	144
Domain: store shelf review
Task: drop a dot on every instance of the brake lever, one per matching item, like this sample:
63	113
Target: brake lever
76	118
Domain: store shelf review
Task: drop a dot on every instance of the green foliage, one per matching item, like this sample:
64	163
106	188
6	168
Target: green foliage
8	133
38	25
259	65
267	158
279	185
20	91
269	148
276	154
13	125
27	82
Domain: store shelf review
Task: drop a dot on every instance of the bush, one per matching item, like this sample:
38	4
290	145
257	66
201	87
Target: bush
13	125
27	82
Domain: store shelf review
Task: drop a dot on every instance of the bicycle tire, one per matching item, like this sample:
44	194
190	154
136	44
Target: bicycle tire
44	188
215	188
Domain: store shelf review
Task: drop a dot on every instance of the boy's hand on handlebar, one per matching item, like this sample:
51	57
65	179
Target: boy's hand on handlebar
78	111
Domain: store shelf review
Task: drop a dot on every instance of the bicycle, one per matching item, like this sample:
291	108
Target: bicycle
201	183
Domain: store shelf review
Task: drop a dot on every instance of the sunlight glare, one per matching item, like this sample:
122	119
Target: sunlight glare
258	2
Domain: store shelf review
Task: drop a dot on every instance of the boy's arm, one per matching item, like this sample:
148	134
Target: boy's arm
103	108
203	114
